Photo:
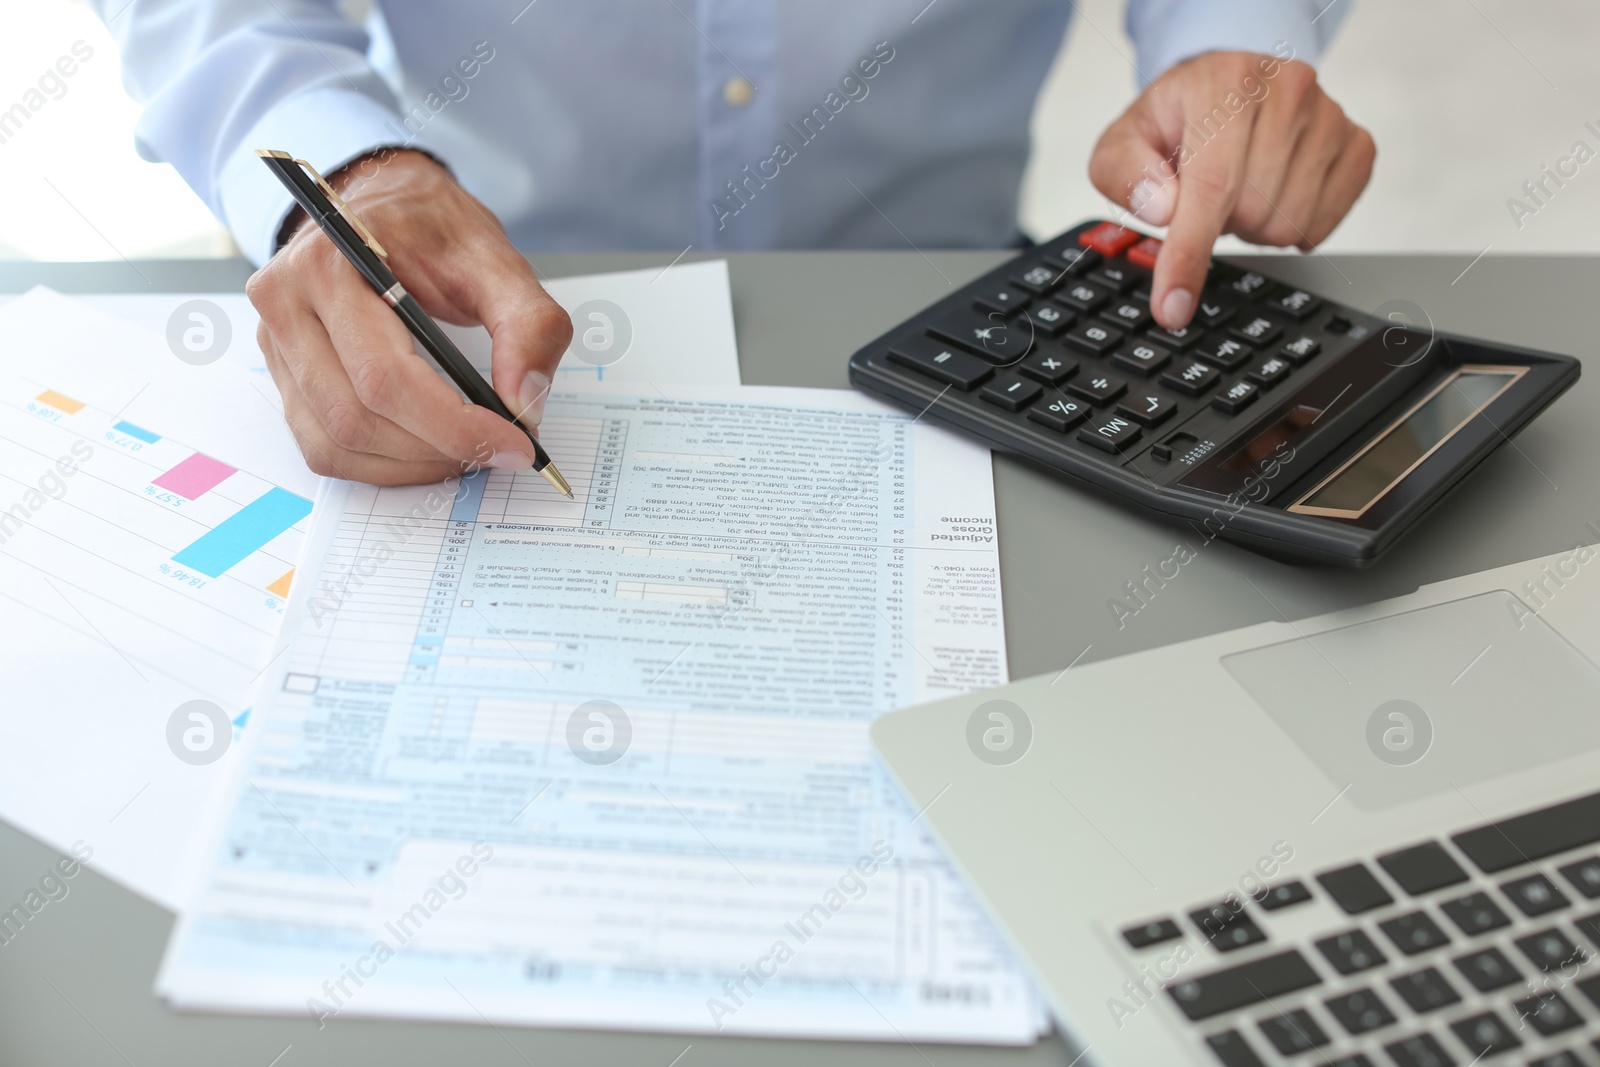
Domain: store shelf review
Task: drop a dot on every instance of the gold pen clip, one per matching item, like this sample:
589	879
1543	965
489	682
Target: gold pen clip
338	202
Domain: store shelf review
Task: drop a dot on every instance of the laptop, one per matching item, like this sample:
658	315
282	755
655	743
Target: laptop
1365	839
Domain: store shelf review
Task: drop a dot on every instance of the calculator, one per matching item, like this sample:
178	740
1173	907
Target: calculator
1276	419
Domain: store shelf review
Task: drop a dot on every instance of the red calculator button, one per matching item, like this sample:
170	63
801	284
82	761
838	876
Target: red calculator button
1144	253
1109	239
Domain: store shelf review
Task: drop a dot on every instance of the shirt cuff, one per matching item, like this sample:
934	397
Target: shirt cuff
326	127
1167	32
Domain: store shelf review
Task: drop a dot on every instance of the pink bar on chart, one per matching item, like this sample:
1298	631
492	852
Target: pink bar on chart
194	476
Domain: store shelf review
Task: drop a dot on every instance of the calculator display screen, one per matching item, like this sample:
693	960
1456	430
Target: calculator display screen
1385	461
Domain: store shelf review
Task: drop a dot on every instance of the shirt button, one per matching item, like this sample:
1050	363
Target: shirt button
737	92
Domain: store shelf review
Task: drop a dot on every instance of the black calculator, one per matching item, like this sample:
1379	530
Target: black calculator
1277	419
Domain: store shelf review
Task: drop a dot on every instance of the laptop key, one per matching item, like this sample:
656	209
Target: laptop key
1590	987
1061	414
1358	1060
1548	1012
1423	1050
1011	392
1360	1011
1589	926
1558	1059
1293	1032
1526	838
1226	928
1422	868
1485	1035
1241	986
1488	970
1425	990
1354	889
1284	895
1414	933
1153	932
1233	1051
1475	913
1535	895
1584	876
1551	950
940	362
1351	952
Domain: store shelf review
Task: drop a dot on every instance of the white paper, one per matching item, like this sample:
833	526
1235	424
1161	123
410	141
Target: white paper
605	762
102	637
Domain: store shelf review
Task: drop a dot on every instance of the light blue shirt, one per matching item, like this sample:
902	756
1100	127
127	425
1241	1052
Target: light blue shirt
649	124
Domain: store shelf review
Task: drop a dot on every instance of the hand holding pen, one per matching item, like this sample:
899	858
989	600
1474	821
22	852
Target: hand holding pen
362	404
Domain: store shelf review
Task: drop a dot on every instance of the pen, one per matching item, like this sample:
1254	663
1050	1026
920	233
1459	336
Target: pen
352	238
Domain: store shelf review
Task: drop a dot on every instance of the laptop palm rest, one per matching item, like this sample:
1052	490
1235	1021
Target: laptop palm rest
1428	700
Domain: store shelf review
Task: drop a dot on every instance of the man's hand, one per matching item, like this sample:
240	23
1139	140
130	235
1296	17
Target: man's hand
1231	142
362	404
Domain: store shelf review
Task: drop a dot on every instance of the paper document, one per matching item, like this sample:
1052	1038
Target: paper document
605	762
152	515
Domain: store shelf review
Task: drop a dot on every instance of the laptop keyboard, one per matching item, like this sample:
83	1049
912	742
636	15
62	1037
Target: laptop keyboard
1483	947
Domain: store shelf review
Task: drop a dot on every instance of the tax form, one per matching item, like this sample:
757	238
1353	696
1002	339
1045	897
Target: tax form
604	762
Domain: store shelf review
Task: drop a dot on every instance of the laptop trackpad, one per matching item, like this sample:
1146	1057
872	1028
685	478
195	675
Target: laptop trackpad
1416	703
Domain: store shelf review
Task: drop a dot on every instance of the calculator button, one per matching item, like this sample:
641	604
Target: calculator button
1148	409
1551	950
1425	990
937	361
1423	1050
1297	303
1293	1032
1233	1051
1535	895
1142	359
1475	914
989	335
1155	931
1360	1011
1073	260
1224	352
1116	278
1258	331
1485	1035
1083	297
1549	1013
1270	372
1488	970
1109	239
1584	876
1214	312
1414	933
1354	889
1301	349
1112	435
1038	279
1098	389
1351	952
1145	252
1248	284
1061	415
1422	868
1093	338
1011	392
1235	398
1240	986
1048	368
1180	338
1129	314
1338	324
1049	320
1004	301
1191	380
1283	896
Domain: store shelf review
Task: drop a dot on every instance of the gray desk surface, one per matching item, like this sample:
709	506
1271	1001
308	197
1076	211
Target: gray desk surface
76	989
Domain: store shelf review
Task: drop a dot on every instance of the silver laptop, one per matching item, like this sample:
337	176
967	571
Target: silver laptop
1367	839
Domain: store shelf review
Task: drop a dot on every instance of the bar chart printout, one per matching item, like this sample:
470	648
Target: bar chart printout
247	530
745	580
194	477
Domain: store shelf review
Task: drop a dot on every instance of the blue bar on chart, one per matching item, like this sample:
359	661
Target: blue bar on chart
248	529
137	431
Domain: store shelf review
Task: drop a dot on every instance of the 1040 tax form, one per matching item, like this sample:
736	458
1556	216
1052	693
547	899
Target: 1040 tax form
604	762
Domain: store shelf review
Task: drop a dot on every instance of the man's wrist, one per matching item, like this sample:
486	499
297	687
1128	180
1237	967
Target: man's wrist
360	169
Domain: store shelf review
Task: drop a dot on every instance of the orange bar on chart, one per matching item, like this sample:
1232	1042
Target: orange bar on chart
59	402
280	588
